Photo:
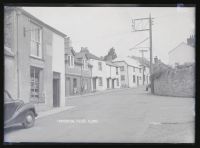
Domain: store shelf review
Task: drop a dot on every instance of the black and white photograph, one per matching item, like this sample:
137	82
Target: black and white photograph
108	74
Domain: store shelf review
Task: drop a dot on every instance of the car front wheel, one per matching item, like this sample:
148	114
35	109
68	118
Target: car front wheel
29	119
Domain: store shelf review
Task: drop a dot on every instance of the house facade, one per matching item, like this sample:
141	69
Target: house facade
112	76
131	72
98	71
34	59
78	72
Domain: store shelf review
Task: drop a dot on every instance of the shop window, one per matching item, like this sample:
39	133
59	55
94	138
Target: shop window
36	80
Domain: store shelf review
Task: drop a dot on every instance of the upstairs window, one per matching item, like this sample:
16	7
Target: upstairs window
133	69
121	68
8	31
100	66
70	60
36	40
117	71
140	70
84	64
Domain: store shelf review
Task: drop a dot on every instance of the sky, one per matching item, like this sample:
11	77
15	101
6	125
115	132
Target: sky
101	28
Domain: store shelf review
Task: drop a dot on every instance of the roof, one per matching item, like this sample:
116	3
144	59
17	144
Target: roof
88	55
181	44
41	22
143	61
129	61
111	64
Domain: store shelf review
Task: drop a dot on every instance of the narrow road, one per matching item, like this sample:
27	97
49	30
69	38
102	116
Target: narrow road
130	115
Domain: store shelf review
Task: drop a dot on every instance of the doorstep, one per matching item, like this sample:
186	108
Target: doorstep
53	111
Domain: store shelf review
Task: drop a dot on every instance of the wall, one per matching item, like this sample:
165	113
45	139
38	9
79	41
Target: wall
58	63
176	82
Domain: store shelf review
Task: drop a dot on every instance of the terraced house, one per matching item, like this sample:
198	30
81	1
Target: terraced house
34	59
112	75
78	72
131	72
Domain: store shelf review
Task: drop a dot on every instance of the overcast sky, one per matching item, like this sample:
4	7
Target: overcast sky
100	28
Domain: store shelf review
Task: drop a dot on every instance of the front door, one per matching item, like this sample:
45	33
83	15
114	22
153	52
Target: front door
56	89
94	83
108	84
137	81
113	83
67	87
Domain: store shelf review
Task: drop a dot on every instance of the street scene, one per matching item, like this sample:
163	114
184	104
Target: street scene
128	115
99	74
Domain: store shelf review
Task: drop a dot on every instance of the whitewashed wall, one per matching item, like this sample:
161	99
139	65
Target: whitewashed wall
58	63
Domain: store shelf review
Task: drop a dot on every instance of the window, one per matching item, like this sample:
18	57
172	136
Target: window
133	78
140	77
70	60
36	40
117	82
144	68
74	83
122	77
8	29
140	70
117	71
84	64
100	66
121	68
100	82
144	77
35	85
133	69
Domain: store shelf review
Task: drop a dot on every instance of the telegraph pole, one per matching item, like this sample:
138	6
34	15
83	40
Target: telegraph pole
150	46
142	51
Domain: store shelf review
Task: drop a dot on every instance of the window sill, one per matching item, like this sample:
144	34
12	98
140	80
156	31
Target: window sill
38	58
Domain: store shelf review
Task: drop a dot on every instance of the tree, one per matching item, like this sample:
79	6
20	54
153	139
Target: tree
111	55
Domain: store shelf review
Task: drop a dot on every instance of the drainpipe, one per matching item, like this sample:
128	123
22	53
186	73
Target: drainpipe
18	85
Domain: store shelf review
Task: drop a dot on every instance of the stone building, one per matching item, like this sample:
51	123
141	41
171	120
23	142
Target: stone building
34	59
78	72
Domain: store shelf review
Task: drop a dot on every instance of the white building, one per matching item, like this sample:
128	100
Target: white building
112	75
181	54
131	72
98	73
58	67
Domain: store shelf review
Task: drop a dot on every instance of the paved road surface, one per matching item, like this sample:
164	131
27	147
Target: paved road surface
130	115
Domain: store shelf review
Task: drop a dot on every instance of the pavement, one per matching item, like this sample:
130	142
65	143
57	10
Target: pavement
125	116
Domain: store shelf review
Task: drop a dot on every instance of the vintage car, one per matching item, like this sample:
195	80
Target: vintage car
18	112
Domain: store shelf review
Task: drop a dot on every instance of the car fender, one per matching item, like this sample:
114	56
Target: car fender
18	116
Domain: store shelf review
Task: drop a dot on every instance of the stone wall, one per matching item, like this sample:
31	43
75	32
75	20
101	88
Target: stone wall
178	82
